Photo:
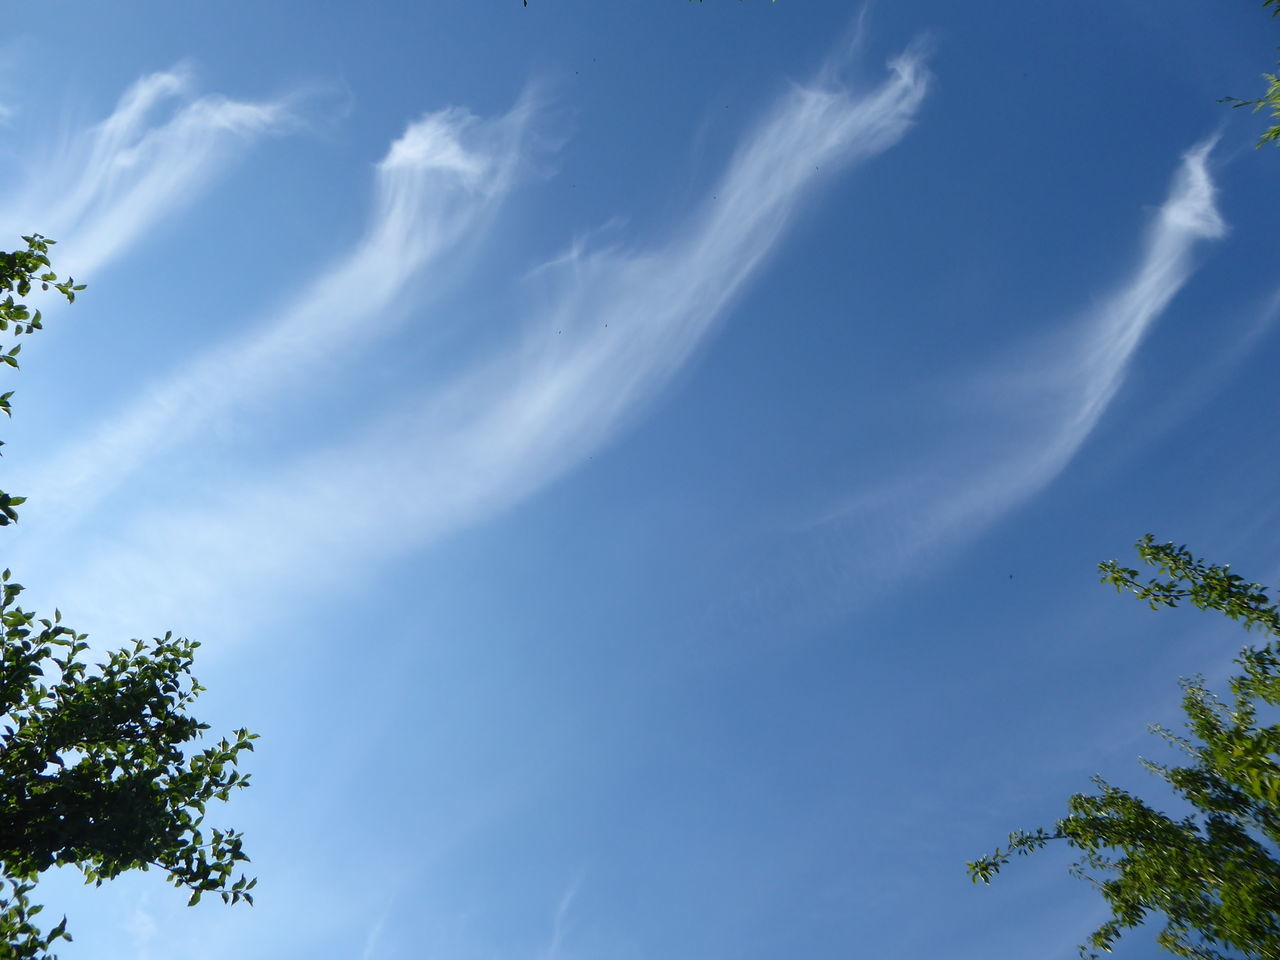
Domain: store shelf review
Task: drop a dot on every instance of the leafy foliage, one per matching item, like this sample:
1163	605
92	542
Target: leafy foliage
19	272
1184	578
1214	876
93	770
1268	101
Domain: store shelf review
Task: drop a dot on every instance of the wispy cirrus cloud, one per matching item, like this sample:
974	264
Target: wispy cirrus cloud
560	922
104	186
1037	406
619	326
370	949
438	182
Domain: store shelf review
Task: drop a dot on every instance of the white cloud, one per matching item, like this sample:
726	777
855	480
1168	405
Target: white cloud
370	950
559	922
142	928
437	183
620	327
112	182
1038	405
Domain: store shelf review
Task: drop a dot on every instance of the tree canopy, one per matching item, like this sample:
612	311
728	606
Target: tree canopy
1270	100
95	771
1213	875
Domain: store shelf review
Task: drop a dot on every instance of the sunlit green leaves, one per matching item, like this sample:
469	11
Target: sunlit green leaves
1269	101
1212	877
1188	579
19	271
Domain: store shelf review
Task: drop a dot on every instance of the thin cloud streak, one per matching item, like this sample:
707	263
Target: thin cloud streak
370	949
622	325
437	183
108	185
626	323
1047	400
559	922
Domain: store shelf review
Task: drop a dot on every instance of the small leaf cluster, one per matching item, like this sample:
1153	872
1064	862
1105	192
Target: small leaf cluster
1213	876
22	939
20	272
1269	100
1185	578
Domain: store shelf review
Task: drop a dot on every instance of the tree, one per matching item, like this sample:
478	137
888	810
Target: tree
1214	875
93	770
1271	99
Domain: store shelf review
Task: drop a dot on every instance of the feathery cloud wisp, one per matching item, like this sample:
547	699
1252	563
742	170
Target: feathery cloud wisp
1042	403
437	183
559	922
110	183
622	324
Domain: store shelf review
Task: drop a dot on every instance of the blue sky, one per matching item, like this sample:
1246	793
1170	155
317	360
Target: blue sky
641	467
